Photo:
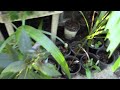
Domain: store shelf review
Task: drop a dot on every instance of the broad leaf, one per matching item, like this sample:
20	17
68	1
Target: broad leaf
47	69
14	68
24	41
5	60
113	27
8	75
38	36
12	52
116	65
31	75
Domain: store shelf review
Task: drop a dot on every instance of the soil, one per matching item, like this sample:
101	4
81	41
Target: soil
103	56
72	25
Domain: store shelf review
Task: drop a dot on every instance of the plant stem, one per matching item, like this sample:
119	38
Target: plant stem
93	17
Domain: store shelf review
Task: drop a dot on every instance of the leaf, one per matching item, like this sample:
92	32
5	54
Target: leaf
12	52
8	75
113	27
47	69
13	68
31	75
5	60
116	65
97	68
6	42
1	42
88	73
24	41
38	36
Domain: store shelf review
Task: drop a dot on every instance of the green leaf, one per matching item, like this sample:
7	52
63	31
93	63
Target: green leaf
38	36
97	68
47	69
13	68
116	65
113	27
5	60
12	52
31	75
1	42
88	73
6	42
8	75
24	41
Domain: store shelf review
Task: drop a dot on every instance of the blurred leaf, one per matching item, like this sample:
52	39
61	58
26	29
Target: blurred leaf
48	69
13	68
24	41
31	75
5	60
13	15
8	75
38	36
40	25
97	68
6	41
1	42
88	73
116	64
12	52
113	27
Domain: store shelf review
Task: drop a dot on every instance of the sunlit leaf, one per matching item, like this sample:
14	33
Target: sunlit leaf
113	27
88	73
116	65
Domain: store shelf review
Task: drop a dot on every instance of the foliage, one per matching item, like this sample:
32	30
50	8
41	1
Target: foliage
113	27
31	62
91	65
